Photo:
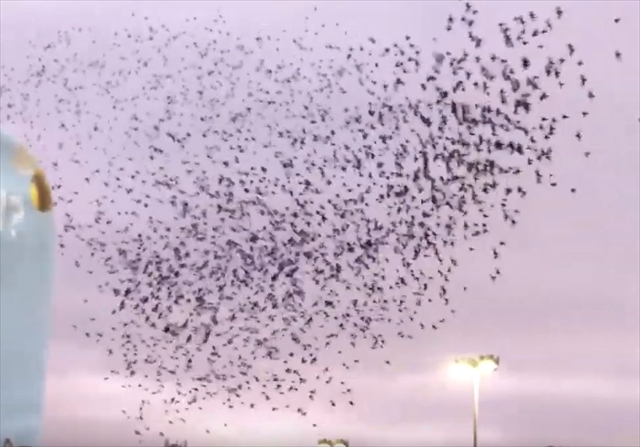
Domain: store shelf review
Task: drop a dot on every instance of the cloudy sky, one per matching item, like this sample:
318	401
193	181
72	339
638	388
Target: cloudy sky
564	319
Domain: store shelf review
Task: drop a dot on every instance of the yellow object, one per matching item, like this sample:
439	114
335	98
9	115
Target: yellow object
41	197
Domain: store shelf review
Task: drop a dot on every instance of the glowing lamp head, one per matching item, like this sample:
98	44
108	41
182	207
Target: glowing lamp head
461	369
474	366
488	365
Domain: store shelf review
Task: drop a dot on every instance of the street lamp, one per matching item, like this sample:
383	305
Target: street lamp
476	367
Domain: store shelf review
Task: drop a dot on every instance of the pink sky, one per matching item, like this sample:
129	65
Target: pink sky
565	318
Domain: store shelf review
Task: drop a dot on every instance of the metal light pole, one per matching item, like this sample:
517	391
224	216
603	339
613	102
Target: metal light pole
475	367
476	396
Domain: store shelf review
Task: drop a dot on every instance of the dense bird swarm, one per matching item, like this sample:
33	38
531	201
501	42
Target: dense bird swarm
276	195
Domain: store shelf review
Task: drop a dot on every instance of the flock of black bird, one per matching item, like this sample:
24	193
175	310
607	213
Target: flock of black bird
258	202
